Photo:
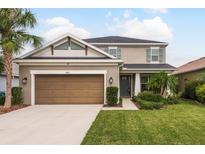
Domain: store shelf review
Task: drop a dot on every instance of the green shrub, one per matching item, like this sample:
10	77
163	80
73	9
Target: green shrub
149	96
112	95
17	96
171	100
2	100
190	89
2	93
135	98
149	105
200	93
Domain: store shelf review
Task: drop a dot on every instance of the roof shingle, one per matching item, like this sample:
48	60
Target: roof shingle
118	39
191	66
149	66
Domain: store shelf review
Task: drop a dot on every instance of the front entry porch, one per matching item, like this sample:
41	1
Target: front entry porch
129	85
125	85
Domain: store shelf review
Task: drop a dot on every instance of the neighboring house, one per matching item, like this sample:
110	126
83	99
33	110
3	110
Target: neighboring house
70	70
193	70
15	77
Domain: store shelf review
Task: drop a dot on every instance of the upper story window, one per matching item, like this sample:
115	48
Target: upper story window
63	46
75	46
155	55
114	51
66	46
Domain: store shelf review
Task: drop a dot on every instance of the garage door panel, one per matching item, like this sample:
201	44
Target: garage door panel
70	93
59	86
69	89
72	100
68	78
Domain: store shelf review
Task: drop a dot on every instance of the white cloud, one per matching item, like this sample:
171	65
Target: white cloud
60	26
154	28
156	10
126	14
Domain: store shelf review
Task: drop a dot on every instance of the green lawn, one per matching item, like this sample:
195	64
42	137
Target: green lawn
176	124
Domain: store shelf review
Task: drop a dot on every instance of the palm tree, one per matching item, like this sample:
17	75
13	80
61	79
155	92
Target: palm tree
13	36
163	82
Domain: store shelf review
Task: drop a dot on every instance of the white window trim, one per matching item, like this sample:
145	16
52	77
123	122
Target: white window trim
113	47
154	62
34	72
69	50
69	47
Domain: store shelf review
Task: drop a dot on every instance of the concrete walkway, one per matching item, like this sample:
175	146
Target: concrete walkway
47	124
127	104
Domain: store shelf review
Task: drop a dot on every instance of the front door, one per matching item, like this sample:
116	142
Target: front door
125	85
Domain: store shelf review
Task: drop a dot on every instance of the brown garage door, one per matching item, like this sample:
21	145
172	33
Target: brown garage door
69	89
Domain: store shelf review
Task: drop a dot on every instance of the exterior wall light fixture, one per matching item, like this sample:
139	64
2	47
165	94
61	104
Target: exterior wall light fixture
110	80
24	80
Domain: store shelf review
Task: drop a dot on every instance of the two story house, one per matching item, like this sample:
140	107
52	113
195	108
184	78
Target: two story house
69	70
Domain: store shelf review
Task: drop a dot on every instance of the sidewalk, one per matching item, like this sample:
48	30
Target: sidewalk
127	104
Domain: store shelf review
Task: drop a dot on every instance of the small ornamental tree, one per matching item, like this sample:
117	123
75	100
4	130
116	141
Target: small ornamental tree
164	82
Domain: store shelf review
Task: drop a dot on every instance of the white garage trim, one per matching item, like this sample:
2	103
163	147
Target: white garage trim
34	72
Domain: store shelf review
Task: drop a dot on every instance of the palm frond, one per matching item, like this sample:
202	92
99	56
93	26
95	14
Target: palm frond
25	19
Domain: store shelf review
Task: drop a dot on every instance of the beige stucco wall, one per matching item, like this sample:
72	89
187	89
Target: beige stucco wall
112	71
183	78
134	54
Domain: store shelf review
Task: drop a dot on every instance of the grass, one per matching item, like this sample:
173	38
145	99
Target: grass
176	124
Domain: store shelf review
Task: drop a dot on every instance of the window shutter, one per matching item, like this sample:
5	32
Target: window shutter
148	55
161	54
119	53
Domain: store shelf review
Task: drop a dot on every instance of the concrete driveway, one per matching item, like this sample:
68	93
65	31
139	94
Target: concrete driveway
47	124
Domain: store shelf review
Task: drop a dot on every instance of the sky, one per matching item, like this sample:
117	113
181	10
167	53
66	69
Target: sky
183	29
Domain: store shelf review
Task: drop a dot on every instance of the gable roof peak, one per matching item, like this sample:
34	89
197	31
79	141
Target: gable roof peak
63	37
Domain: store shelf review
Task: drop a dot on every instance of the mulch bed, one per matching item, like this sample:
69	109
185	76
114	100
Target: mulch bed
12	108
116	105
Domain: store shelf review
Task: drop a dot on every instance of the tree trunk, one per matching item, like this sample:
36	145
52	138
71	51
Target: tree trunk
8	72
163	88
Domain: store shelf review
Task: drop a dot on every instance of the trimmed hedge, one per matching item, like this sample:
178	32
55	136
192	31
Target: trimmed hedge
190	89
135	99
150	105
17	96
112	95
200	93
149	96
150	101
2	98
171	100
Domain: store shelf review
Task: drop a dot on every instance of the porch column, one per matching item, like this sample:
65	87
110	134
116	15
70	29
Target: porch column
137	83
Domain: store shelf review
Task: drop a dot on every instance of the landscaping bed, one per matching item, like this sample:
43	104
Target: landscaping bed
12	108
181	123
149	101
